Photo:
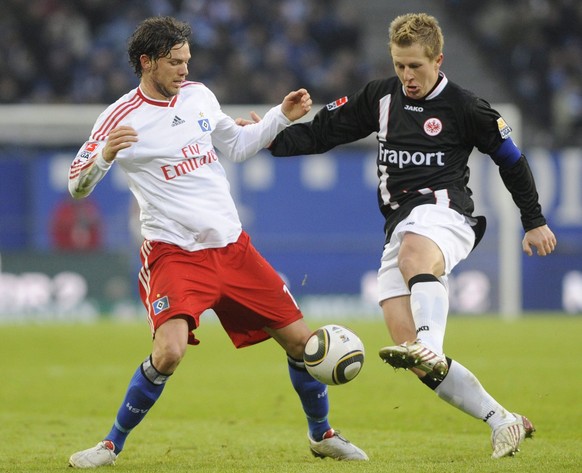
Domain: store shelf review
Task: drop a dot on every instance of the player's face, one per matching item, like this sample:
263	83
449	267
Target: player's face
415	70
163	78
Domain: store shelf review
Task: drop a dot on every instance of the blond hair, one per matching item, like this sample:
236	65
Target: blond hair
417	28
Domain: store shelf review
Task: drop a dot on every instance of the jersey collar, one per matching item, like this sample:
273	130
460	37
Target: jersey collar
439	87
155	102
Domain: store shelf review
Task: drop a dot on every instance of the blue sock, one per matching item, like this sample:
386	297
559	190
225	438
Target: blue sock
143	391
313	395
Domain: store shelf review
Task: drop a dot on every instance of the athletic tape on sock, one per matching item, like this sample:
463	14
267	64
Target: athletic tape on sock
294	363
425	277
434	383
152	374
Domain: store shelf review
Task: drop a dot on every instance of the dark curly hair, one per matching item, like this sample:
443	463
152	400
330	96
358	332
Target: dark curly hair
155	37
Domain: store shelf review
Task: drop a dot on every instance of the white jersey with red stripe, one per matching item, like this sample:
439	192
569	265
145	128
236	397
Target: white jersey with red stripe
174	170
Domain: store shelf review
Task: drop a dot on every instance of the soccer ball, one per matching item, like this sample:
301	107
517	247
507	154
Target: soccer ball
334	355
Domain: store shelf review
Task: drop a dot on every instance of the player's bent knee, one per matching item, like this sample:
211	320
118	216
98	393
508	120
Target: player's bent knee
167	357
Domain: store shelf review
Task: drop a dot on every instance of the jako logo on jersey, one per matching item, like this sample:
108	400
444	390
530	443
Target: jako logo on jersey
204	124
504	128
433	126
338	103
412	108
161	304
406	158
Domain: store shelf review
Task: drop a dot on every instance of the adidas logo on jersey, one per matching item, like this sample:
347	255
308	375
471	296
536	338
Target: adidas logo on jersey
177	121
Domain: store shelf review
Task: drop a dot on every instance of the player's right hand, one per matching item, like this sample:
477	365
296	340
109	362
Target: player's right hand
119	138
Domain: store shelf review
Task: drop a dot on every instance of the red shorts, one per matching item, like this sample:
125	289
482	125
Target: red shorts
242	288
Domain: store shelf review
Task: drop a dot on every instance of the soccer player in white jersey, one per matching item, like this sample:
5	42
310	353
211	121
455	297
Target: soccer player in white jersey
426	128
195	256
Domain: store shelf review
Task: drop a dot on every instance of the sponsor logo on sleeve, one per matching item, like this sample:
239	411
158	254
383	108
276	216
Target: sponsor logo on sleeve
337	104
504	128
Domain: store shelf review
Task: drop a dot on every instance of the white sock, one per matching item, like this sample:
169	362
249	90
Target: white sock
462	389
429	301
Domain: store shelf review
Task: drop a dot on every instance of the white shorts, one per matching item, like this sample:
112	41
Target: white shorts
450	230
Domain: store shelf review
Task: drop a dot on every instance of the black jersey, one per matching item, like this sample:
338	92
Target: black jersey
423	145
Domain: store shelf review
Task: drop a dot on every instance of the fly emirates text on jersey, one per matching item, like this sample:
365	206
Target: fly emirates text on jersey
192	162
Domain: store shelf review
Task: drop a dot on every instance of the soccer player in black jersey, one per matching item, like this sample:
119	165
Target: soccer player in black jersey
426	128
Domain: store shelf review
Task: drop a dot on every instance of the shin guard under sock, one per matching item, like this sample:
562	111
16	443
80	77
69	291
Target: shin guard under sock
313	396
143	391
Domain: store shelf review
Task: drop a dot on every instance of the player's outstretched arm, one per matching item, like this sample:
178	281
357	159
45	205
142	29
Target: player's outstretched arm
238	145
542	238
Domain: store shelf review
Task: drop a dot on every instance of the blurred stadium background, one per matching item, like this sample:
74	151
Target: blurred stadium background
315	218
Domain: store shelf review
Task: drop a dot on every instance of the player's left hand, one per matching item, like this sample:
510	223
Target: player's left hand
542	238
296	104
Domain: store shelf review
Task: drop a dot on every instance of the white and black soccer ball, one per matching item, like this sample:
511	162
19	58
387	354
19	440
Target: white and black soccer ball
334	355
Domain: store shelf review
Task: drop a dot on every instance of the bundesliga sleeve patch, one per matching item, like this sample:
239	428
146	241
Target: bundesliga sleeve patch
83	159
337	104
91	146
86	152
504	128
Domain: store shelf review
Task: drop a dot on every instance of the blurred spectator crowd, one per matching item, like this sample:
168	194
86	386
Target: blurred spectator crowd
255	51
246	51
537	46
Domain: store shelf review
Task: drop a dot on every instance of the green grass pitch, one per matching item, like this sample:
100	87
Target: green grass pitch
228	410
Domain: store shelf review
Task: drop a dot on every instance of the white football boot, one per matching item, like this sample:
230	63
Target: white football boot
101	455
335	446
416	355
506	439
